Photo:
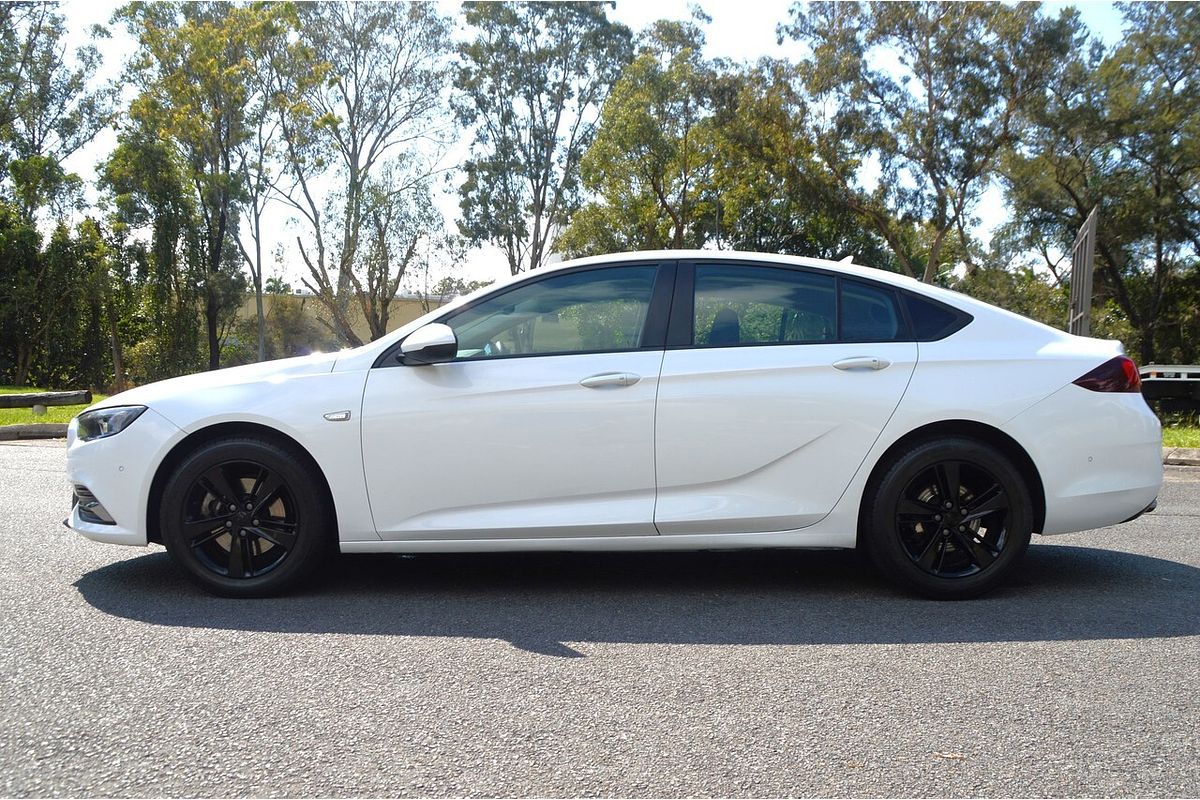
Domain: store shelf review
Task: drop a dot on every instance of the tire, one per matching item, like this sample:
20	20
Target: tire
246	517
949	519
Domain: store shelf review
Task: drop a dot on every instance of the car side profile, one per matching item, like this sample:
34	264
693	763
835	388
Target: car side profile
639	401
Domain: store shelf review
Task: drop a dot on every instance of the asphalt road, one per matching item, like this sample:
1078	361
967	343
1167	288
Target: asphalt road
678	674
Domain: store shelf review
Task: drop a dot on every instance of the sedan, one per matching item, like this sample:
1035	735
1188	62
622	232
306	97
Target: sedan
643	401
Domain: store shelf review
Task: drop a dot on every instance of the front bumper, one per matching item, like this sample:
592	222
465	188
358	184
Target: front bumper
118	471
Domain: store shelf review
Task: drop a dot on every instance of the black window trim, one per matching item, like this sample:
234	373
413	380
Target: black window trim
679	328
654	329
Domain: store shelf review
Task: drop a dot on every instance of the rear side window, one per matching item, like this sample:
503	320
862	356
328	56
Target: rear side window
931	320
869	314
737	304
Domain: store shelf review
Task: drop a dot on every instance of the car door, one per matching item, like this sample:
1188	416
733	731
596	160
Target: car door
543	426
775	384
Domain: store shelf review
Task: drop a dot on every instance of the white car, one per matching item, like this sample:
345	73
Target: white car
643	401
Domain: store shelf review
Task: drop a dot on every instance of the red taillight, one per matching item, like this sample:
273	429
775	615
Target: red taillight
1118	374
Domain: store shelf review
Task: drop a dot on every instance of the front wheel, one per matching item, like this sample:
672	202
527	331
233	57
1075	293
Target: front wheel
244	517
949	519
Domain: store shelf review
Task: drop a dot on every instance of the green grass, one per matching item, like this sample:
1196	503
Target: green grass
25	416
1181	436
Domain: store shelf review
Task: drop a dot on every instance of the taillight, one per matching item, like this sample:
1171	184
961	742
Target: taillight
1118	374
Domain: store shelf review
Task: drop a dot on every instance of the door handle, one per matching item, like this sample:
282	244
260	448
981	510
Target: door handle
610	379
862	362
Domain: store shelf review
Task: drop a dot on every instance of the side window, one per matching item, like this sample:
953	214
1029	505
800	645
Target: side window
869	314
762	305
578	311
932	320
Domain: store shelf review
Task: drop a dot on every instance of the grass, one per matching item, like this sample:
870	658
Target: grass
25	416
1181	436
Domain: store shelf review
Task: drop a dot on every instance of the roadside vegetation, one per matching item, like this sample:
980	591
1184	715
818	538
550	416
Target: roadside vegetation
25	416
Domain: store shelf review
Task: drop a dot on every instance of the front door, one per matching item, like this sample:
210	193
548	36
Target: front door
542	427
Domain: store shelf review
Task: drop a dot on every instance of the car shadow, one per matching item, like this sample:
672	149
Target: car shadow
542	602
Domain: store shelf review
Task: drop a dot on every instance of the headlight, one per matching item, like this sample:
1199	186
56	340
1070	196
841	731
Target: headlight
106	421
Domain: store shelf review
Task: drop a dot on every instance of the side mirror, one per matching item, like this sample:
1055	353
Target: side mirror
429	344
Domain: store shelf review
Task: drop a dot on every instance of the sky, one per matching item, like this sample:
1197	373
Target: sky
741	30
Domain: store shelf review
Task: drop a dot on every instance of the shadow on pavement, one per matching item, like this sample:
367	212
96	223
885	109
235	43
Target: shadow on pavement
538	602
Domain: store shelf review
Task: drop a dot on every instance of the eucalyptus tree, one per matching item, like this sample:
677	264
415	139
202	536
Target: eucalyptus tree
51	105
1119	129
380	104
771	192
651	158
927	96
531	85
193	70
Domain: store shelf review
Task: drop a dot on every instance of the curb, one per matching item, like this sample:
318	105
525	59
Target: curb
1181	456
41	430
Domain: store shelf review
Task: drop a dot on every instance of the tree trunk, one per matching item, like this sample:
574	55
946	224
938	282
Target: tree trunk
262	320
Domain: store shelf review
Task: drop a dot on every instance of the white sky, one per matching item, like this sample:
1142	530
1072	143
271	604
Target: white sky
742	30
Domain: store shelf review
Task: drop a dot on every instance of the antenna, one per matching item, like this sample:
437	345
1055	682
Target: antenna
847	260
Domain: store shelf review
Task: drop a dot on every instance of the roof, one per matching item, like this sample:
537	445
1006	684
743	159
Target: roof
728	256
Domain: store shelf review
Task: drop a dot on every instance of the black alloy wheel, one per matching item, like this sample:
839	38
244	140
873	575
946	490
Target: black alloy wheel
240	519
246	517
949	519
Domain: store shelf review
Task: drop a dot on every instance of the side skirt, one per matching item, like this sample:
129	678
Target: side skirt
708	541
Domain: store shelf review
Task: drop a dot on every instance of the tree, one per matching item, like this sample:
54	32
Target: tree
147	183
1121	130
50	106
930	93
532	81
193	67
651	157
274	49
772	193
382	103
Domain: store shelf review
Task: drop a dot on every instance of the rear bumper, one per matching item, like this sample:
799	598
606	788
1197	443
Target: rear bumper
1099	456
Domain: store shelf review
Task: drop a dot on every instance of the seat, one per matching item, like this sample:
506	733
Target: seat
726	328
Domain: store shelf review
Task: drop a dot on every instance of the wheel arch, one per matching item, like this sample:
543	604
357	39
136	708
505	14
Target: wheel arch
189	443
969	429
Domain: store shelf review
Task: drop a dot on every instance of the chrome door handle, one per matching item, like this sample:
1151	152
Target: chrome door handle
862	362
610	379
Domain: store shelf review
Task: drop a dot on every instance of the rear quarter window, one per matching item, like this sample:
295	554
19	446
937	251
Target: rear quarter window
931	320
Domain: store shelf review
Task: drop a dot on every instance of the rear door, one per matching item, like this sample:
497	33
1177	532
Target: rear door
775	384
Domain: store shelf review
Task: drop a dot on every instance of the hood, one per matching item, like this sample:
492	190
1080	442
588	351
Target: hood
267	371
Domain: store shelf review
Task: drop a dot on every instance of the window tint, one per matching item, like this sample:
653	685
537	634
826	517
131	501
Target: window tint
869	313
762	305
932	320
599	309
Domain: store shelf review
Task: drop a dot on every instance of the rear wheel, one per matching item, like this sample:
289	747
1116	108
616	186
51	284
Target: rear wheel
949	519
245	517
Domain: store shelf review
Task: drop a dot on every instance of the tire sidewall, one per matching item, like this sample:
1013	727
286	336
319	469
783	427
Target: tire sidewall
883	539
312	532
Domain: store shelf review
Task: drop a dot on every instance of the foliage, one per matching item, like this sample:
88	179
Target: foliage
651	160
50	107
773	195
929	93
532	82
1120	130
193	69
386	72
